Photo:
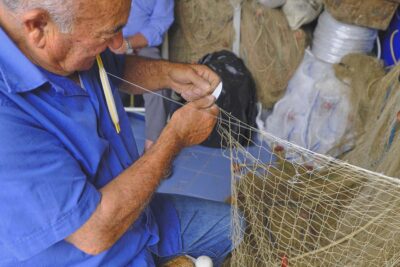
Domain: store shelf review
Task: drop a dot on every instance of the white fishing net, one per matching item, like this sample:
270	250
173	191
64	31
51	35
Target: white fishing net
300	208
306	209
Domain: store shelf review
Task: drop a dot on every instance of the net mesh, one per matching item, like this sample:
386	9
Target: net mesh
292	207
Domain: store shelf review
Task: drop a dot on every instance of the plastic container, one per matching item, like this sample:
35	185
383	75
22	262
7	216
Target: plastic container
334	39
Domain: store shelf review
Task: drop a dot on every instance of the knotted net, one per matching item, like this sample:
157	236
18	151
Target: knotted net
293	207
306	209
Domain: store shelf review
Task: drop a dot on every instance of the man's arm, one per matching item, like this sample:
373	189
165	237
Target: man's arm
137	41
124	198
160	19
159	16
192	81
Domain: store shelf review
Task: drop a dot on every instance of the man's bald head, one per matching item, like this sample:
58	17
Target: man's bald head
62	12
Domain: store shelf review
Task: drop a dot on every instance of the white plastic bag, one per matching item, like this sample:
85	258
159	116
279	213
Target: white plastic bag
300	12
315	111
272	3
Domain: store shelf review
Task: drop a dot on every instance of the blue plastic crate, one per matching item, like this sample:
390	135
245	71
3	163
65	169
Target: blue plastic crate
391	42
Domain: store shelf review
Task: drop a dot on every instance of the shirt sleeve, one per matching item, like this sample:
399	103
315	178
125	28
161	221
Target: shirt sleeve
161	18
44	195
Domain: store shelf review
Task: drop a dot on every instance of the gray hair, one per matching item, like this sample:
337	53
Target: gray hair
60	11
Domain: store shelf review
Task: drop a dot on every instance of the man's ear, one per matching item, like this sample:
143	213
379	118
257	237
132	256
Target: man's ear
35	23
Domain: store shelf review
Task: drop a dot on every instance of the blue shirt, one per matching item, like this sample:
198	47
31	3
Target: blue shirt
58	146
151	18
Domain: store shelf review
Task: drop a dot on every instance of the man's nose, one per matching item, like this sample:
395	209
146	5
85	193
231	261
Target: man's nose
116	42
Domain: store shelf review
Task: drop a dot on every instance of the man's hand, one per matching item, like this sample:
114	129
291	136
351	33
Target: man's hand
192	81
136	42
194	122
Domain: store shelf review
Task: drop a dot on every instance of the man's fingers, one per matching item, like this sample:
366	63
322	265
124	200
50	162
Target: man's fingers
214	110
194	81
200	85
187	91
190	95
204	102
208	74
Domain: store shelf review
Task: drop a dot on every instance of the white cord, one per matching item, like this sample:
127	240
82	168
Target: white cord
378	47
237	15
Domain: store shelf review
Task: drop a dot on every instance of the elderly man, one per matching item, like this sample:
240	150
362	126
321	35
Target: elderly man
73	191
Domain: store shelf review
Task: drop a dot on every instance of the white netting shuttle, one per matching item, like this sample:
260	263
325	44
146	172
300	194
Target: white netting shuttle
306	209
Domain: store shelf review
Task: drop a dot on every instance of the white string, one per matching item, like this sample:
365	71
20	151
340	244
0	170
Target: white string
240	124
145	89
243	125
332	214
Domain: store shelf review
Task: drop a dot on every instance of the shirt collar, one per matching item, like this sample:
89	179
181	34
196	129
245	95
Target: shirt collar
18	73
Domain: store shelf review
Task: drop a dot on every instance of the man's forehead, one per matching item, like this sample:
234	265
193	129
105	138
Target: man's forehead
103	7
107	16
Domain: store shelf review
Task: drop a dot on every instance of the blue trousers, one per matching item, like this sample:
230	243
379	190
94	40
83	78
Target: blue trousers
205	227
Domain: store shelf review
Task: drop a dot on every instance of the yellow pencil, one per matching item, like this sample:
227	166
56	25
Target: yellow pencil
108	94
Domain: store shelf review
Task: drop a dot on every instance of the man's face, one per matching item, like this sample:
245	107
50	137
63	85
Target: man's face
97	26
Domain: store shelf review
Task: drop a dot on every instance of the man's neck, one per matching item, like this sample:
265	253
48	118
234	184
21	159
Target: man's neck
75	77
